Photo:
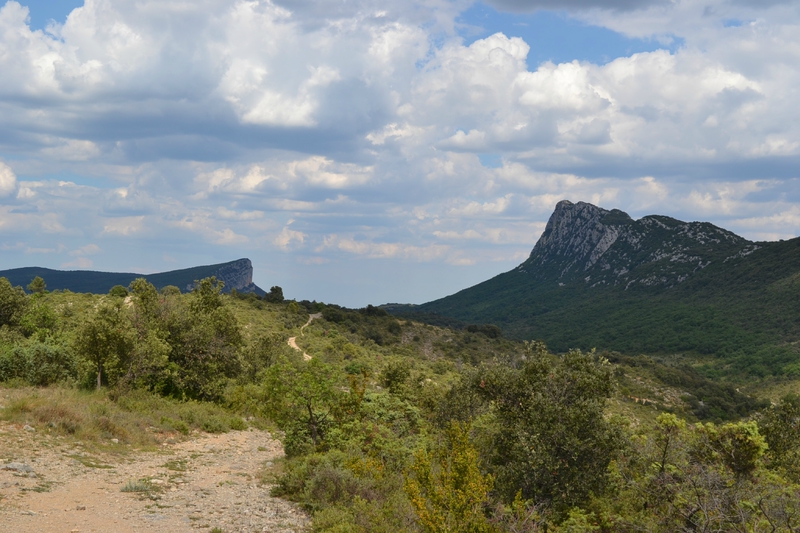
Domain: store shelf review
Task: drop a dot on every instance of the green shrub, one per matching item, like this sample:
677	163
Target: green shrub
214	424
320	481
176	425
298	440
395	375
12	303
118	291
355	368
170	290
237	424
38	363
39	320
334	520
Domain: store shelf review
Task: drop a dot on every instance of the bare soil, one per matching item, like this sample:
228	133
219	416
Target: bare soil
204	482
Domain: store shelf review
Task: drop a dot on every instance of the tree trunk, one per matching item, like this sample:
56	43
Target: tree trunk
99	377
312	422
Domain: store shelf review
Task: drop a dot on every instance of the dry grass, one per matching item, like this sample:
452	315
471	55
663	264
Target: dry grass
138	419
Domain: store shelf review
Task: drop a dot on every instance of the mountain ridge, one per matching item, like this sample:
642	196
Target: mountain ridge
599	279
237	274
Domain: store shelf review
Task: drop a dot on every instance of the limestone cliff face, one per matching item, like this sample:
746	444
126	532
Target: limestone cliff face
575	237
236	275
587	244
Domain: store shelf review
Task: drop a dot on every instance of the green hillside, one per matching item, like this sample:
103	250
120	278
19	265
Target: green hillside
662	287
382	419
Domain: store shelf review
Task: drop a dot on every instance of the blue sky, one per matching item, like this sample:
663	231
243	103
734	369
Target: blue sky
371	151
556	36
43	12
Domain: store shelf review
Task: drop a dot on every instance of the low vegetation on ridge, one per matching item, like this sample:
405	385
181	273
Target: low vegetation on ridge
396	425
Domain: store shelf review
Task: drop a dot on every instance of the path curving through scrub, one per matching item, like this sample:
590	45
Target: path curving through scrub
293	340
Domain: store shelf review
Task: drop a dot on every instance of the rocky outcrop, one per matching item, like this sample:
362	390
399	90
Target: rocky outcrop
235	275
587	244
576	236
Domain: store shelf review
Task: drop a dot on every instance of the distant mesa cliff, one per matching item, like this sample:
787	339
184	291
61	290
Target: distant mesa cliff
235	275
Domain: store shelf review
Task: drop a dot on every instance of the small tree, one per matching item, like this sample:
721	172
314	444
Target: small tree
207	295
170	290
118	291
105	340
148	360
37	286
304	399
205	341
552	439
275	295
780	427
39	320
739	447
12	303
146	301
448	491
262	352
395	375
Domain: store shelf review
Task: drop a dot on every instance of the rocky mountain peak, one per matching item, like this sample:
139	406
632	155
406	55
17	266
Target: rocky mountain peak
589	244
578	235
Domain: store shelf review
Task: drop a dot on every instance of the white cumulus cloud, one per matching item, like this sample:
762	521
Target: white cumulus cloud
352	133
8	180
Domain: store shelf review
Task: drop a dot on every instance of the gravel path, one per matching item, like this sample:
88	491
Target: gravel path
51	484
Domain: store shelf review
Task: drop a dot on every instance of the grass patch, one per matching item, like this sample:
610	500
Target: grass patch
139	485
134	418
176	465
42	486
144	487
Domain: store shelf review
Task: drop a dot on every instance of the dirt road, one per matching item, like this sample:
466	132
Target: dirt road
49	484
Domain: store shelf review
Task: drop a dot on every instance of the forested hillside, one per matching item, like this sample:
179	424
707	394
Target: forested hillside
394	425
657	285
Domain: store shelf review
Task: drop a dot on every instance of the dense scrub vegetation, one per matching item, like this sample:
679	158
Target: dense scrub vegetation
394	425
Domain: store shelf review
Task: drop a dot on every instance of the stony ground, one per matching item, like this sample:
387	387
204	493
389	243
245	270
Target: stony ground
205	483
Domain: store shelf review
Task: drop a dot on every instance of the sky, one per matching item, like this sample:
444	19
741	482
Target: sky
364	151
